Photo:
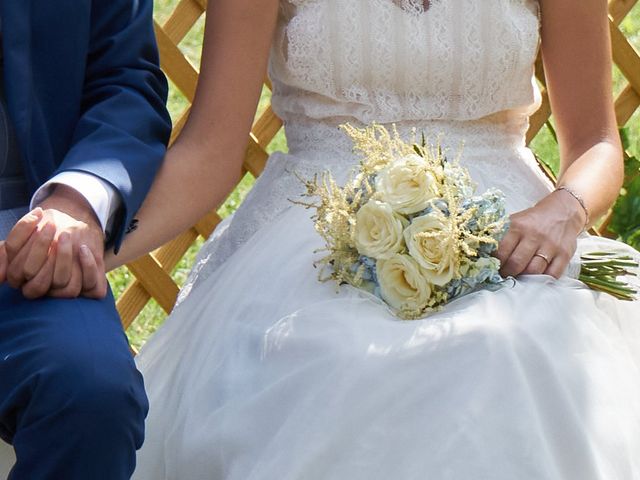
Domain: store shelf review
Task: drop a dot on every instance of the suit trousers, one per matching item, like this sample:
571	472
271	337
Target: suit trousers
72	402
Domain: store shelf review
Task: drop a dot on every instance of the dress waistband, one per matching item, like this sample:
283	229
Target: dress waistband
500	131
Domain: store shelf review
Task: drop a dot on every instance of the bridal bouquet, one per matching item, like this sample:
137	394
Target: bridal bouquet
410	228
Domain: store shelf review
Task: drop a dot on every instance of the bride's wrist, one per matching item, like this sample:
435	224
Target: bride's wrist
574	207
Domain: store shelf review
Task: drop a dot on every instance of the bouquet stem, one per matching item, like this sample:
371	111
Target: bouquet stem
601	271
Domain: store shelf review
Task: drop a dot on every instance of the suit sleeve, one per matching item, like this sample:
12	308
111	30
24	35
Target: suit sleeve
124	127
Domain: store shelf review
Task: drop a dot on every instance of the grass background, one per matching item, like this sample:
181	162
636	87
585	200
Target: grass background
152	316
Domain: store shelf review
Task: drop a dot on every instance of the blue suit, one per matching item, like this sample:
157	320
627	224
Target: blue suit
84	93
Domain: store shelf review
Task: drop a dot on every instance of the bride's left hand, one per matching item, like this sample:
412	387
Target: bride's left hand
543	238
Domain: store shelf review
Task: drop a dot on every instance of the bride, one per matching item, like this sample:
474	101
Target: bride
262	372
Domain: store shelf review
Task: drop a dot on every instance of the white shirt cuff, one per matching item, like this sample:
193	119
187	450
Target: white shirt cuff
103	198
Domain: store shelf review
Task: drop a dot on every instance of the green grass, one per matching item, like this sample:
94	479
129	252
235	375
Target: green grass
152	316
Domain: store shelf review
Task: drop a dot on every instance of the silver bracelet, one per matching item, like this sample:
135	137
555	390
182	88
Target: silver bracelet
580	201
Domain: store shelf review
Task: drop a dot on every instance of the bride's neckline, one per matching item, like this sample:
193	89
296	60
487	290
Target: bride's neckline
415	6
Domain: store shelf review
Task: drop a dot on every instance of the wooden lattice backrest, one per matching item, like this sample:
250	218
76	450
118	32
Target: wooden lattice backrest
152	278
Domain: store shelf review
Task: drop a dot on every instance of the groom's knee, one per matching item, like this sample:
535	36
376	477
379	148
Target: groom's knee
97	391
69	359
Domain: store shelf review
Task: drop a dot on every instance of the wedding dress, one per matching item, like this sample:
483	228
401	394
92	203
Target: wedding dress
262	372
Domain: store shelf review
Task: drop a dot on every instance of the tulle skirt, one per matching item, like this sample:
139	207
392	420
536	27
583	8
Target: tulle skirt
265	373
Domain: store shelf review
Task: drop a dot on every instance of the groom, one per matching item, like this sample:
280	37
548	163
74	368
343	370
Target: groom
83	130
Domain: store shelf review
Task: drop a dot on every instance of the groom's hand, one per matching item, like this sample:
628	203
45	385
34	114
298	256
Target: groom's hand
58	250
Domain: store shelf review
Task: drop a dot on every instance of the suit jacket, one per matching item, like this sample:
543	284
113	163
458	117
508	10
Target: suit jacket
85	93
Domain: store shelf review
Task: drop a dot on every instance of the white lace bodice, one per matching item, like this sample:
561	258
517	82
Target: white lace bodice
392	60
461	70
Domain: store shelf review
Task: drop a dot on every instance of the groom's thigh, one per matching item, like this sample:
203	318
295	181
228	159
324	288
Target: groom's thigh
61	354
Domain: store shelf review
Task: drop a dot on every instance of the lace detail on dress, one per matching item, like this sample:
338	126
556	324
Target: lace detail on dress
377	60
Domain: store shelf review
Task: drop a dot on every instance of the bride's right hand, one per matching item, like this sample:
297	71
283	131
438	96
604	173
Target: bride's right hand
542	239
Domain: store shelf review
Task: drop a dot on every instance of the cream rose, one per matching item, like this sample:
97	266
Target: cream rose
432	247
402	283
379	230
407	184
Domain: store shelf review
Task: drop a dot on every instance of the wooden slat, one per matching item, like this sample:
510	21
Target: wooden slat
135	297
131	303
267	126
625	57
175	65
256	157
156	281
170	254
207	224
179	125
182	19
618	9
626	105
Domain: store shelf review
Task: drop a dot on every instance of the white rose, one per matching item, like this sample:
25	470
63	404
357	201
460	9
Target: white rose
433	247
402	283
407	184
378	230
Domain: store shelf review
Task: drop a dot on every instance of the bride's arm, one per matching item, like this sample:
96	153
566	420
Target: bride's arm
204	164
577	59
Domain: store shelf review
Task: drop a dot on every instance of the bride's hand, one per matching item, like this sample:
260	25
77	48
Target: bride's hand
543	238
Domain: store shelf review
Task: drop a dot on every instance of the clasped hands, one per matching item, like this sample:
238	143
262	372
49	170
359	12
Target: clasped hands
56	249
